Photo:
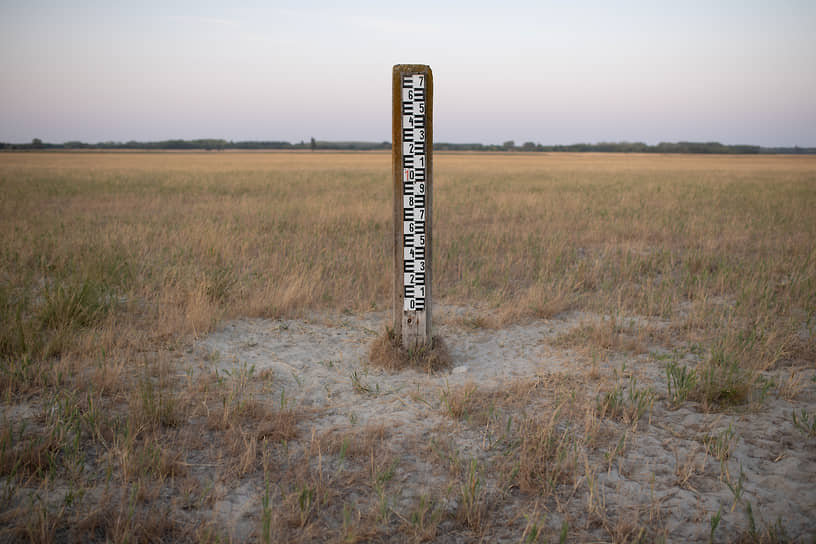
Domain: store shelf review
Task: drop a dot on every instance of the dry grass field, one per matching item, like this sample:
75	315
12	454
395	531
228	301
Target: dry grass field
174	360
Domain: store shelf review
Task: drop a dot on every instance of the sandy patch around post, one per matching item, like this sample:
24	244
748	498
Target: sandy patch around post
668	474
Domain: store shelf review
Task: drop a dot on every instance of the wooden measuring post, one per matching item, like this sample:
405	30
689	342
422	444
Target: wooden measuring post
412	160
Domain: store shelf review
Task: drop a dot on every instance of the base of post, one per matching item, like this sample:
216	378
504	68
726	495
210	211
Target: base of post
416	330
388	352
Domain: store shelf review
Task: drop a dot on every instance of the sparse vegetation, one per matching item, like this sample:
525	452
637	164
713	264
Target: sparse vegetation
111	265
627	402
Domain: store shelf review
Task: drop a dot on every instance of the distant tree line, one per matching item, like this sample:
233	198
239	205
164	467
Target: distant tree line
210	144
631	147
205	144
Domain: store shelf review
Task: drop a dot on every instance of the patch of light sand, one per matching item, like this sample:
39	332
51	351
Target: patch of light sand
322	363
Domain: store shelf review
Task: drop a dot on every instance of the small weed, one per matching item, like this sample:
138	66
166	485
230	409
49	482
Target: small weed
533	531
737	488
617	450
383	508
266	515
719	445
424	518
457	403
546	454
43	520
769	534
328	363
775	533
381	475
472	495
305	502
158	404
714	523
20	373
343	450
791	387
15	335
762	387
687	469
722	381
359	385
350	523
680	382
640	401
658	356
805	422
612	402
625	402
749	512
562	536
386	474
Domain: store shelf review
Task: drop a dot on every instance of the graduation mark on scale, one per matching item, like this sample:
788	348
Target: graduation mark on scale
414	189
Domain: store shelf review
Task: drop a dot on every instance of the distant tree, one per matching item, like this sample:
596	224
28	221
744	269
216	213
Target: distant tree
529	146
509	144
36	143
75	144
313	144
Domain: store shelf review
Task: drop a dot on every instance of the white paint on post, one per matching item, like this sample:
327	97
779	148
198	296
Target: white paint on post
413	191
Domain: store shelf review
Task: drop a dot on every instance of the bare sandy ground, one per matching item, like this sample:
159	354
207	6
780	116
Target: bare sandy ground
661	477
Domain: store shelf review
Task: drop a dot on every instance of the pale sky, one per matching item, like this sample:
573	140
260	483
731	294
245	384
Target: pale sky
549	72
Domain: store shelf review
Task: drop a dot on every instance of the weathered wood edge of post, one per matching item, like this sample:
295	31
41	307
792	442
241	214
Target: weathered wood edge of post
419	322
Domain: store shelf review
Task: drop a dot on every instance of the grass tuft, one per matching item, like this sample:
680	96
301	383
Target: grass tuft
723	381
680	382
388	352
547	454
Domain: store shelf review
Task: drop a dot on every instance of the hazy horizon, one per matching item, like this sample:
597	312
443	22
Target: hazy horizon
731	72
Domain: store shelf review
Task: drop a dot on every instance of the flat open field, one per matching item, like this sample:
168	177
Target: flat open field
185	338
